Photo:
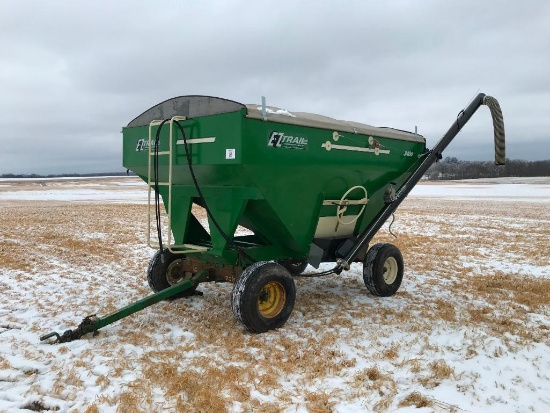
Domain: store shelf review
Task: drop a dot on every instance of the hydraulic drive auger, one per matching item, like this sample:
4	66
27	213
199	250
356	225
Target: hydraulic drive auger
431	157
92	323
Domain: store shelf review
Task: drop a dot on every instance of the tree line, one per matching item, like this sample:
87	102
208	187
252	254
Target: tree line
71	175
453	168
448	168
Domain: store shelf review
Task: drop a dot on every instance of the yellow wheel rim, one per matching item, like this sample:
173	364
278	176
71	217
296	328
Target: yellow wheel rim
390	270
271	299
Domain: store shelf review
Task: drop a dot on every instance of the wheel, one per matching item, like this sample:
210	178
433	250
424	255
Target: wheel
383	270
294	267
263	296
163	275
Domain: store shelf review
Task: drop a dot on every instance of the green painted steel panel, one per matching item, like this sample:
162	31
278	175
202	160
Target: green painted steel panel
270	177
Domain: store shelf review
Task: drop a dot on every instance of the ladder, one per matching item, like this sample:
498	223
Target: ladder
173	248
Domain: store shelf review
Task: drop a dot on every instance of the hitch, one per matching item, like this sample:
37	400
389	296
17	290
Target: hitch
92	323
86	326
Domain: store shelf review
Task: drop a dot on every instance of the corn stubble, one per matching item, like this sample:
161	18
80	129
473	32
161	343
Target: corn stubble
219	363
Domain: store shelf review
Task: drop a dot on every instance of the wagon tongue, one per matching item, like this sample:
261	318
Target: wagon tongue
92	323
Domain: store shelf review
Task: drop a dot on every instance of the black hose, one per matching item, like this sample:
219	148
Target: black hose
391	223
157	194
317	274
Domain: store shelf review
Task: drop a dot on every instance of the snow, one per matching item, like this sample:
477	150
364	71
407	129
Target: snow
102	189
503	192
490	367
539	193
78	195
277	111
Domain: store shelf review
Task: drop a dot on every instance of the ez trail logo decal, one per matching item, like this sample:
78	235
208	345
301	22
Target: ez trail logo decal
143	145
280	140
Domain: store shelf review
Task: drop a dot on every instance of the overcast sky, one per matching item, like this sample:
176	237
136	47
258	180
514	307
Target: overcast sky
72	73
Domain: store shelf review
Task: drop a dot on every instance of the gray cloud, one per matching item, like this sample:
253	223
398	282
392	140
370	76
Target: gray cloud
72	74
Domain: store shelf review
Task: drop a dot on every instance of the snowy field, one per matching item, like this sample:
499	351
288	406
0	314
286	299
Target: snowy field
469	330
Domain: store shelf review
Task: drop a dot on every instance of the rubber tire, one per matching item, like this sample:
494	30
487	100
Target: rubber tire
373	269
244	297
294	267
156	273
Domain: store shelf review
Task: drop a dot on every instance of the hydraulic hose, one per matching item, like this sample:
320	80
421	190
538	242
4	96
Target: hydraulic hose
157	192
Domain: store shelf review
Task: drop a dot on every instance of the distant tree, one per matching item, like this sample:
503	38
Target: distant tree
71	175
452	168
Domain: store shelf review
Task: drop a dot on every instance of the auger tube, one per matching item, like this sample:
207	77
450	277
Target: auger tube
430	158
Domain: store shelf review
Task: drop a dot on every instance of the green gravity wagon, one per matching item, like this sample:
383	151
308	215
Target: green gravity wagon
279	190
